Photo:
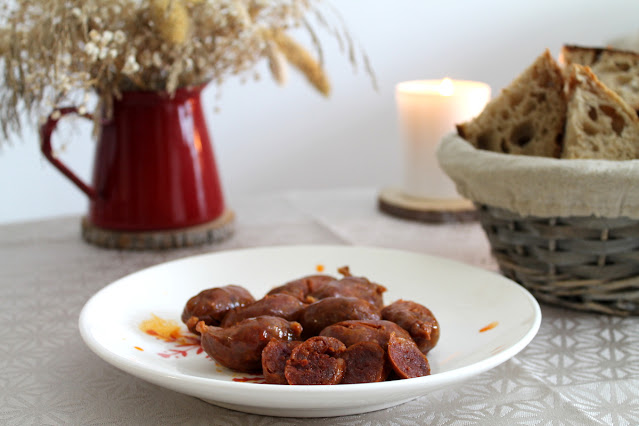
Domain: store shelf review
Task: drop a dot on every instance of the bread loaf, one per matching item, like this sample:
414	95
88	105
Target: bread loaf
599	124
527	117
615	68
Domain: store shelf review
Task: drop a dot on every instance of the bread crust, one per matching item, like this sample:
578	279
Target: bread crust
615	68
600	124
528	116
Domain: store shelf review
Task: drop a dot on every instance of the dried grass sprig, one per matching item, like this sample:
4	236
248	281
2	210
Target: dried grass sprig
301	59
172	20
59	52
276	62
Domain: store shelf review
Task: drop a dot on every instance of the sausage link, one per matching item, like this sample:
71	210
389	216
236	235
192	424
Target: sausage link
211	305
316	361
317	316
365	363
349	286
240	346
277	305
351	332
274	357
417	319
405	358
302	287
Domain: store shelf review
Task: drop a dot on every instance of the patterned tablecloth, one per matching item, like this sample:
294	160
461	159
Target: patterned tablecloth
580	368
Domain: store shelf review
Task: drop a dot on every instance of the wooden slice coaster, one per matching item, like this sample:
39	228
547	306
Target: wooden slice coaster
210	232
392	201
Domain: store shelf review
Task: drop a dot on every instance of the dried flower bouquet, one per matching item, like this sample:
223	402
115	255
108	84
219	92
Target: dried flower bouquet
60	52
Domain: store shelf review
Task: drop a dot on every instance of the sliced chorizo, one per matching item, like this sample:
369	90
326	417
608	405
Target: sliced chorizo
405	358
352	332
350	286
240	346
211	305
277	305
365	363
302	287
316	361
274	357
317	316
417	319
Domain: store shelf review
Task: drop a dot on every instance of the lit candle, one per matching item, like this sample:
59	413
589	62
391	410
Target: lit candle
428	110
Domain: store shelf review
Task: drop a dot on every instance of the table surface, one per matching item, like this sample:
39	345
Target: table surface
580	368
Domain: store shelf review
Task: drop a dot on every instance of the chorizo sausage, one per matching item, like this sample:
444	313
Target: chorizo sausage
365	363
352	332
417	319
240	346
277	305
212	304
405	358
316	361
351	286
302	287
316	316
274	357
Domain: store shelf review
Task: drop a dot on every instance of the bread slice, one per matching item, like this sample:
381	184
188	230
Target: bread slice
617	69
527	117
600	124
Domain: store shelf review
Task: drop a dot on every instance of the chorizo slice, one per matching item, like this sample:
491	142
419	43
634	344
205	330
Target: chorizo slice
274	357
351	332
417	319
365	363
319	315
302	287
316	361
351	286
240	346
277	305
211	305
405	358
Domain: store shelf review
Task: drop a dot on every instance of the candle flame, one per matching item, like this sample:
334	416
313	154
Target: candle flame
446	87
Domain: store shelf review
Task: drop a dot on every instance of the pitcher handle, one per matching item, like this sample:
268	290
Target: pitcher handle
45	135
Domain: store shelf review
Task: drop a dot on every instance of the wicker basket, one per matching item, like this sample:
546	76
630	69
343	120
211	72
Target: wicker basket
583	262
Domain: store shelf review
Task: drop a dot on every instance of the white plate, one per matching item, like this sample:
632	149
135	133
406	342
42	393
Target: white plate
463	298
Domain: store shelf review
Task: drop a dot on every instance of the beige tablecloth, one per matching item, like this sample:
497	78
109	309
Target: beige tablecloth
580	368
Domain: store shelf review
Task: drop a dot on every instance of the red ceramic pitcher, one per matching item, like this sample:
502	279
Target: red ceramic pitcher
154	167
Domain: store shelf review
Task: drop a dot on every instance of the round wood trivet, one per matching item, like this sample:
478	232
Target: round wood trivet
395	203
210	232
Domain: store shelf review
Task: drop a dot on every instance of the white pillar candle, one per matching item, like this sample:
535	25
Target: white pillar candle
428	110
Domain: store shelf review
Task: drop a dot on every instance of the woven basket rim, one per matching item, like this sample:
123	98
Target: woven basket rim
543	187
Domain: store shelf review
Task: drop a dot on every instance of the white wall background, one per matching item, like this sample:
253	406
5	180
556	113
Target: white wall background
269	138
